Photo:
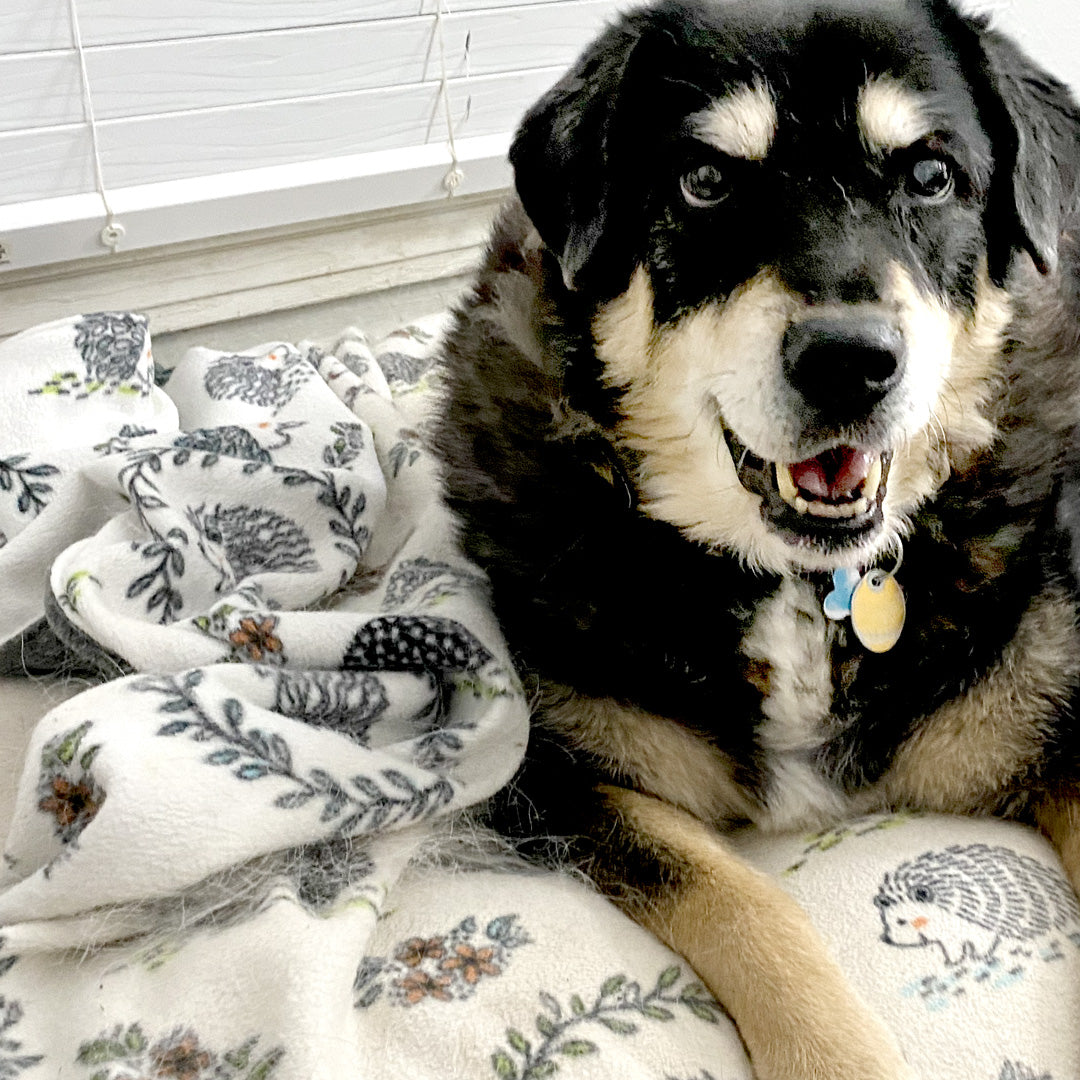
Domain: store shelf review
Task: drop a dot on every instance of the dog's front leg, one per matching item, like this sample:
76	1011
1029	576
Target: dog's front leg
748	940
1058	816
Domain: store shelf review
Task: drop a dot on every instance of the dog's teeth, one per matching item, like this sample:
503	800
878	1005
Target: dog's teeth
834	510
784	484
873	480
789	492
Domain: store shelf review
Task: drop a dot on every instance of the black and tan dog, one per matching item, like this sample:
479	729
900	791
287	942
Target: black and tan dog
787	306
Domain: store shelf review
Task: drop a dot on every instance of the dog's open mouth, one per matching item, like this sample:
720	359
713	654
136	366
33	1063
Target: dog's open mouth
835	496
840	483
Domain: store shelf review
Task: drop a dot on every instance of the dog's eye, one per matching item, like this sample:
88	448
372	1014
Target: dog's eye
931	178
703	187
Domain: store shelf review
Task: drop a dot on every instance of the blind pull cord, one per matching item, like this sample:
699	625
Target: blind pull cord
113	232
455	175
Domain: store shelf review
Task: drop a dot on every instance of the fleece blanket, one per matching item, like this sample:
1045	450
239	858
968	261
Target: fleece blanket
228	857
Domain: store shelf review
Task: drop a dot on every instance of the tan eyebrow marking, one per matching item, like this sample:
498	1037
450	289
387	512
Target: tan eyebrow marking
741	124
891	116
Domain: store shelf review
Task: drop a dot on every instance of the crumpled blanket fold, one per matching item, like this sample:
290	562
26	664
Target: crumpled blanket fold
305	660
225	858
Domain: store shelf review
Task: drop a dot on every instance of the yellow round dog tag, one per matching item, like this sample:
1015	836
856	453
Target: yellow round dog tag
877	611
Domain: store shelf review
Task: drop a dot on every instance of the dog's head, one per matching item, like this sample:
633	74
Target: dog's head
794	225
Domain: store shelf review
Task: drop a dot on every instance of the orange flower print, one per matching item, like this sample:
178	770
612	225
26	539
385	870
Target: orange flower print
257	639
180	1055
416	950
471	962
446	967
418	985
183	1060
74	805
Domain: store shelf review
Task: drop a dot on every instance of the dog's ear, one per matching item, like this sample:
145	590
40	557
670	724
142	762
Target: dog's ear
1034	127
561	153
1035	182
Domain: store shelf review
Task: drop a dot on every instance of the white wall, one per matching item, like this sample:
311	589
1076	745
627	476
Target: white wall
1048	29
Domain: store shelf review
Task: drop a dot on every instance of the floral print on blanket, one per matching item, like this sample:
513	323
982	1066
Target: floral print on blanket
442	967
67	789
310	673
128	1053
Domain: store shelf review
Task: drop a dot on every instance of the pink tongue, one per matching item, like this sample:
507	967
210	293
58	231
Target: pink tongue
833	475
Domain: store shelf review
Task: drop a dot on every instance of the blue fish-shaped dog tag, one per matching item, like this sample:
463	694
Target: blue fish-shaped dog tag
837	604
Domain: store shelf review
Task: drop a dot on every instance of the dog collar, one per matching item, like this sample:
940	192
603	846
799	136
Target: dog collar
873	601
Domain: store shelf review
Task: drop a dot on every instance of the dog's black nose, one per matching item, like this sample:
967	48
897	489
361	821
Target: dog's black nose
843	367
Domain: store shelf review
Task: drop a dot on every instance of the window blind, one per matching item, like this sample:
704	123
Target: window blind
218	116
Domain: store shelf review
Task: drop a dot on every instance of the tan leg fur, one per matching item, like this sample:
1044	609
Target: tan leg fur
1059	818
756	950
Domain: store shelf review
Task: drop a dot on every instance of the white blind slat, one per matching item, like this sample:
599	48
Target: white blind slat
42	89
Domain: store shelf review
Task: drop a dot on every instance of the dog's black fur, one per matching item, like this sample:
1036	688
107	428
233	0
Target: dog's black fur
636	610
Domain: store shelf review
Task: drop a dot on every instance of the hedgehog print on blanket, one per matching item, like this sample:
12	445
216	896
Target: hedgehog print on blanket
967	899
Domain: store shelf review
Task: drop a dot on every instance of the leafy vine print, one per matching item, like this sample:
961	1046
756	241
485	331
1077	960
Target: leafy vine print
619	1006
27	482
347	508
12	1062
165	552
125	1053
1015	1070
357	804
828	839
347	447
406	451
167	564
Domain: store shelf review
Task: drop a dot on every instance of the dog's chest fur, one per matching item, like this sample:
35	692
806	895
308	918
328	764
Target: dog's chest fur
790	643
